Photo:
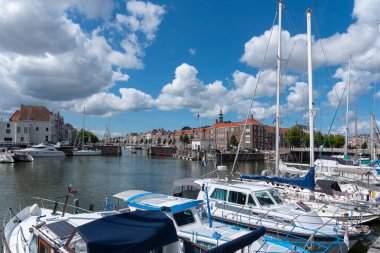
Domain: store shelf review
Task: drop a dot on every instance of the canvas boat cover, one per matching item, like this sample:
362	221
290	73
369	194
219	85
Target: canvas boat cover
139	231
306	181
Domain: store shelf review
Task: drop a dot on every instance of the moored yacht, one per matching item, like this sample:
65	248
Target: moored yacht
256	205
42	150
192	223
87	151
40	230
6	158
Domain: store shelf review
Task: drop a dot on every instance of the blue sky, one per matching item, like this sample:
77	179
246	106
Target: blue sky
157	64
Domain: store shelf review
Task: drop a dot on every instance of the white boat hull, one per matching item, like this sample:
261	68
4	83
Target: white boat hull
86	152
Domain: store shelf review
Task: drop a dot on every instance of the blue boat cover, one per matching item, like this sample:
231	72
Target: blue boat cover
307	181
239	243
138	231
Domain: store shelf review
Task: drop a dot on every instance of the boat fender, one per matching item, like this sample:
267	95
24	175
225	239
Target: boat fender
34	209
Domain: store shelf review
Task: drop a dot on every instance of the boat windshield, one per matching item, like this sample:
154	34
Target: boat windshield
202	214
264	199
184	217
276	197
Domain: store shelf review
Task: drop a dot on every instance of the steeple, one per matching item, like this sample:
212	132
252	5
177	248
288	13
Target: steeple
221	116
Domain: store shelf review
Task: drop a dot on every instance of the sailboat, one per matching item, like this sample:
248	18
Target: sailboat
303	188
86	150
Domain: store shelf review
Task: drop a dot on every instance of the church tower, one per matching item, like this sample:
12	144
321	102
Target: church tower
221	116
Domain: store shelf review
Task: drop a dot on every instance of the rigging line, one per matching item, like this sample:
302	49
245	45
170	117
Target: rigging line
254	94
287	60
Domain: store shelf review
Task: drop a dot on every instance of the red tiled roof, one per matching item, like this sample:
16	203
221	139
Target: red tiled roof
15	116
251	122
31	112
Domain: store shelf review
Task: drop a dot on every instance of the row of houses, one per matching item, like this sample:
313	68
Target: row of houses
35	124
255	135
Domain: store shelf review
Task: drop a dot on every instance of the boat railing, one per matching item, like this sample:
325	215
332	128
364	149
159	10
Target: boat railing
5	243
76	209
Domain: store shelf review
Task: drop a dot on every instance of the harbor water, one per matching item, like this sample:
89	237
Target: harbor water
97	177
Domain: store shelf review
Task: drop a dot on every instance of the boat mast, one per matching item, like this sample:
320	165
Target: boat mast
372	135
347	108
310	80
278	88
84	113
356	133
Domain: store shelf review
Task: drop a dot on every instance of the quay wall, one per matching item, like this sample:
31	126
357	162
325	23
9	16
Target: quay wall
162	151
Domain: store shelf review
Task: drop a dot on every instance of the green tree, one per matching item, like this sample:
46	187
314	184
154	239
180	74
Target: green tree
174	141
159	140
170	142
164	141
87	136
295	136
186	128
233	140
146	141
364	145
318	139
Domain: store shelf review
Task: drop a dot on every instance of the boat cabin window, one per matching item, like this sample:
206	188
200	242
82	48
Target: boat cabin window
276	197
237	197
220	194
251	201
264	199
43	247
183	218
202	214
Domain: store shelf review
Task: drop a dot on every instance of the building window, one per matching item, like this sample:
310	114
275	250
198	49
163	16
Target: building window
26	130
18	130
22	139
8	125
7	131
36	129
46	138
47	129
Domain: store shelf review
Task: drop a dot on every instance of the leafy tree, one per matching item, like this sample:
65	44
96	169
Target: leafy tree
87	136
170	142
164	141
146	141
186	139
338	141
318	139
295	136
186	128
174	141
141	140
159	140
150	141
233	140
364	145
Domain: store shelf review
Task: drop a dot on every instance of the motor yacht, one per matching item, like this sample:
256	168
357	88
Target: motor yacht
254	205
42	150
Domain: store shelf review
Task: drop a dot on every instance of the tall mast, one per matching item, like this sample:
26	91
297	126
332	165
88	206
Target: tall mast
310	80
84	113
372	135
347	108
356	133
278	87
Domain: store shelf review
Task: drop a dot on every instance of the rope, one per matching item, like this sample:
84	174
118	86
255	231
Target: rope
253	97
